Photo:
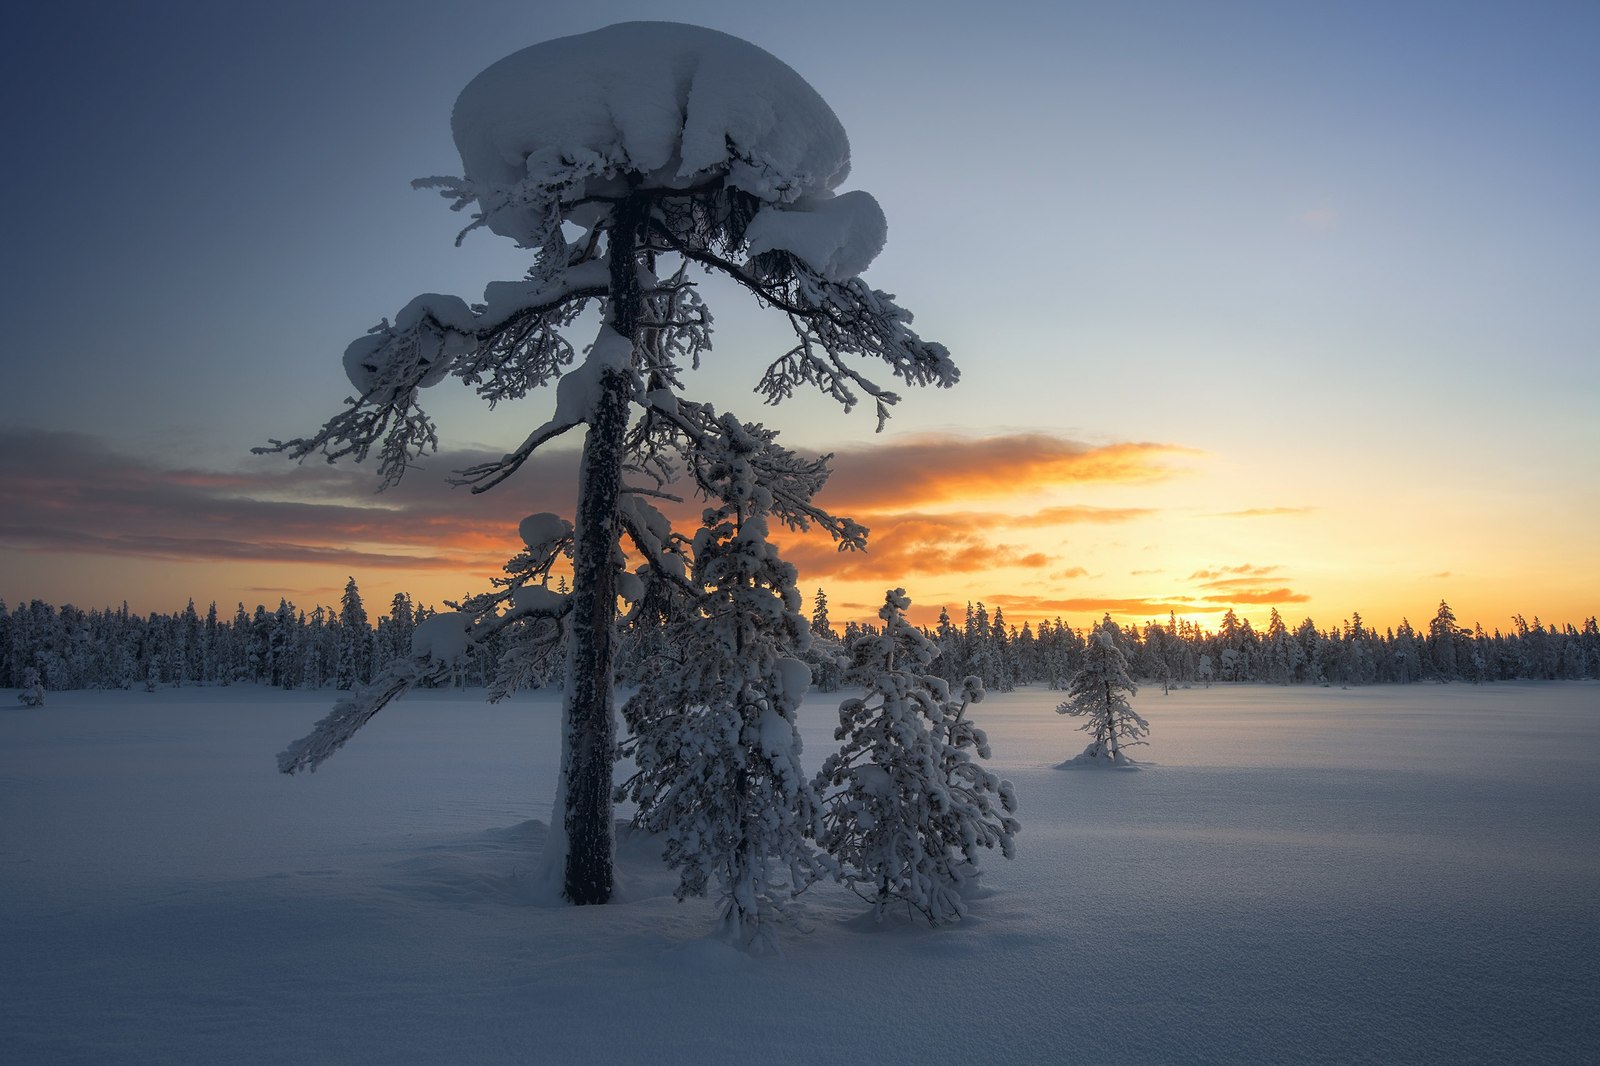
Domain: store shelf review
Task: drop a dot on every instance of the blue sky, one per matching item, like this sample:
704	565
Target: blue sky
1340	260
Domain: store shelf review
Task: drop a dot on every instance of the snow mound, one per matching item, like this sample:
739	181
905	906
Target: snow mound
837	236
491	867
443	637
429	333
538	531
564	119
1086	761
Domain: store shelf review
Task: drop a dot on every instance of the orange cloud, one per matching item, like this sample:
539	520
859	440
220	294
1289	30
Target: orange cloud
936	468
1229	584
1246	569
1259	597
910	544
71	493
1244	584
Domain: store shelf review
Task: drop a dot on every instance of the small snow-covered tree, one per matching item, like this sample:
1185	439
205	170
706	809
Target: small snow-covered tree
826	653
32	694
1099	693
623	158
908	808
714	743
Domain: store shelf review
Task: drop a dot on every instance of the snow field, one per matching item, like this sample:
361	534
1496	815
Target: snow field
1393	874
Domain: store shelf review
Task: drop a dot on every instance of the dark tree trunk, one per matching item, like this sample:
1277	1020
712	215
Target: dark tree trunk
589	712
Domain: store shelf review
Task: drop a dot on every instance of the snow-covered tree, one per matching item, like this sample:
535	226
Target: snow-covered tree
1443	636
623	158
908	808
32	694
714	743
355	639
826	653
402	624
1099	693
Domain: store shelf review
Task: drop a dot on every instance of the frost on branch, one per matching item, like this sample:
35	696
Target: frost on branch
908	808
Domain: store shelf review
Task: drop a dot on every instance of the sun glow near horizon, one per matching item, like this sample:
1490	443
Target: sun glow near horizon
1036	525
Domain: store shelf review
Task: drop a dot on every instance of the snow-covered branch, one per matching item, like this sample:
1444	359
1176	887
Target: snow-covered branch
504	347
355	710
486	476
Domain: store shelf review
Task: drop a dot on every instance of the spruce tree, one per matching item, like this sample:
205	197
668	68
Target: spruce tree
713	731
355	639
826	652
1099	693
909	809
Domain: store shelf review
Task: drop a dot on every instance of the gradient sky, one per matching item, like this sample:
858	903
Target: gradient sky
1256	304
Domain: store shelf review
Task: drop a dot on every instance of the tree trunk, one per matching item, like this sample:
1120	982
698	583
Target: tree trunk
589	711
590	732
1111	723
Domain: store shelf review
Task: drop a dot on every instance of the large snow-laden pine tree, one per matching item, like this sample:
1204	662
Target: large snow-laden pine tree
1098	693
908	809
714	743
623	158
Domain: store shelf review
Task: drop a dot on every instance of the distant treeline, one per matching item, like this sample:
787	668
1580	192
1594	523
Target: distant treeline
1181	652
68	648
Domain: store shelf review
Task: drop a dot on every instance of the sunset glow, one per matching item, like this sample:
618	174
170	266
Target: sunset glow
1261	308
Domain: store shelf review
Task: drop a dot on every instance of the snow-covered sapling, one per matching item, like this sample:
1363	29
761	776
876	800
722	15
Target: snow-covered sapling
622	158
32	694
908	808
1098	693
714	743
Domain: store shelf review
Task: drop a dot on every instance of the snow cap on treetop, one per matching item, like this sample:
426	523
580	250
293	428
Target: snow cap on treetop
674	103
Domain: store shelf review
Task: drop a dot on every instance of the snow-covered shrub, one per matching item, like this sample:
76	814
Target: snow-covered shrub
1099	693
910	809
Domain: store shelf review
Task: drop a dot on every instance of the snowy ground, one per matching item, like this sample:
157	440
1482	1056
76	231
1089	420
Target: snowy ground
1297	875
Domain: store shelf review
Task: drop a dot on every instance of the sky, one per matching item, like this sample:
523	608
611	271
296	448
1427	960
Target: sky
1256	305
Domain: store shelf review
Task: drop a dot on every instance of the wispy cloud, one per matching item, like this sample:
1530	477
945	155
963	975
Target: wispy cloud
1245	584
70	492
1230	572
1066	516
1137	607
1264	512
